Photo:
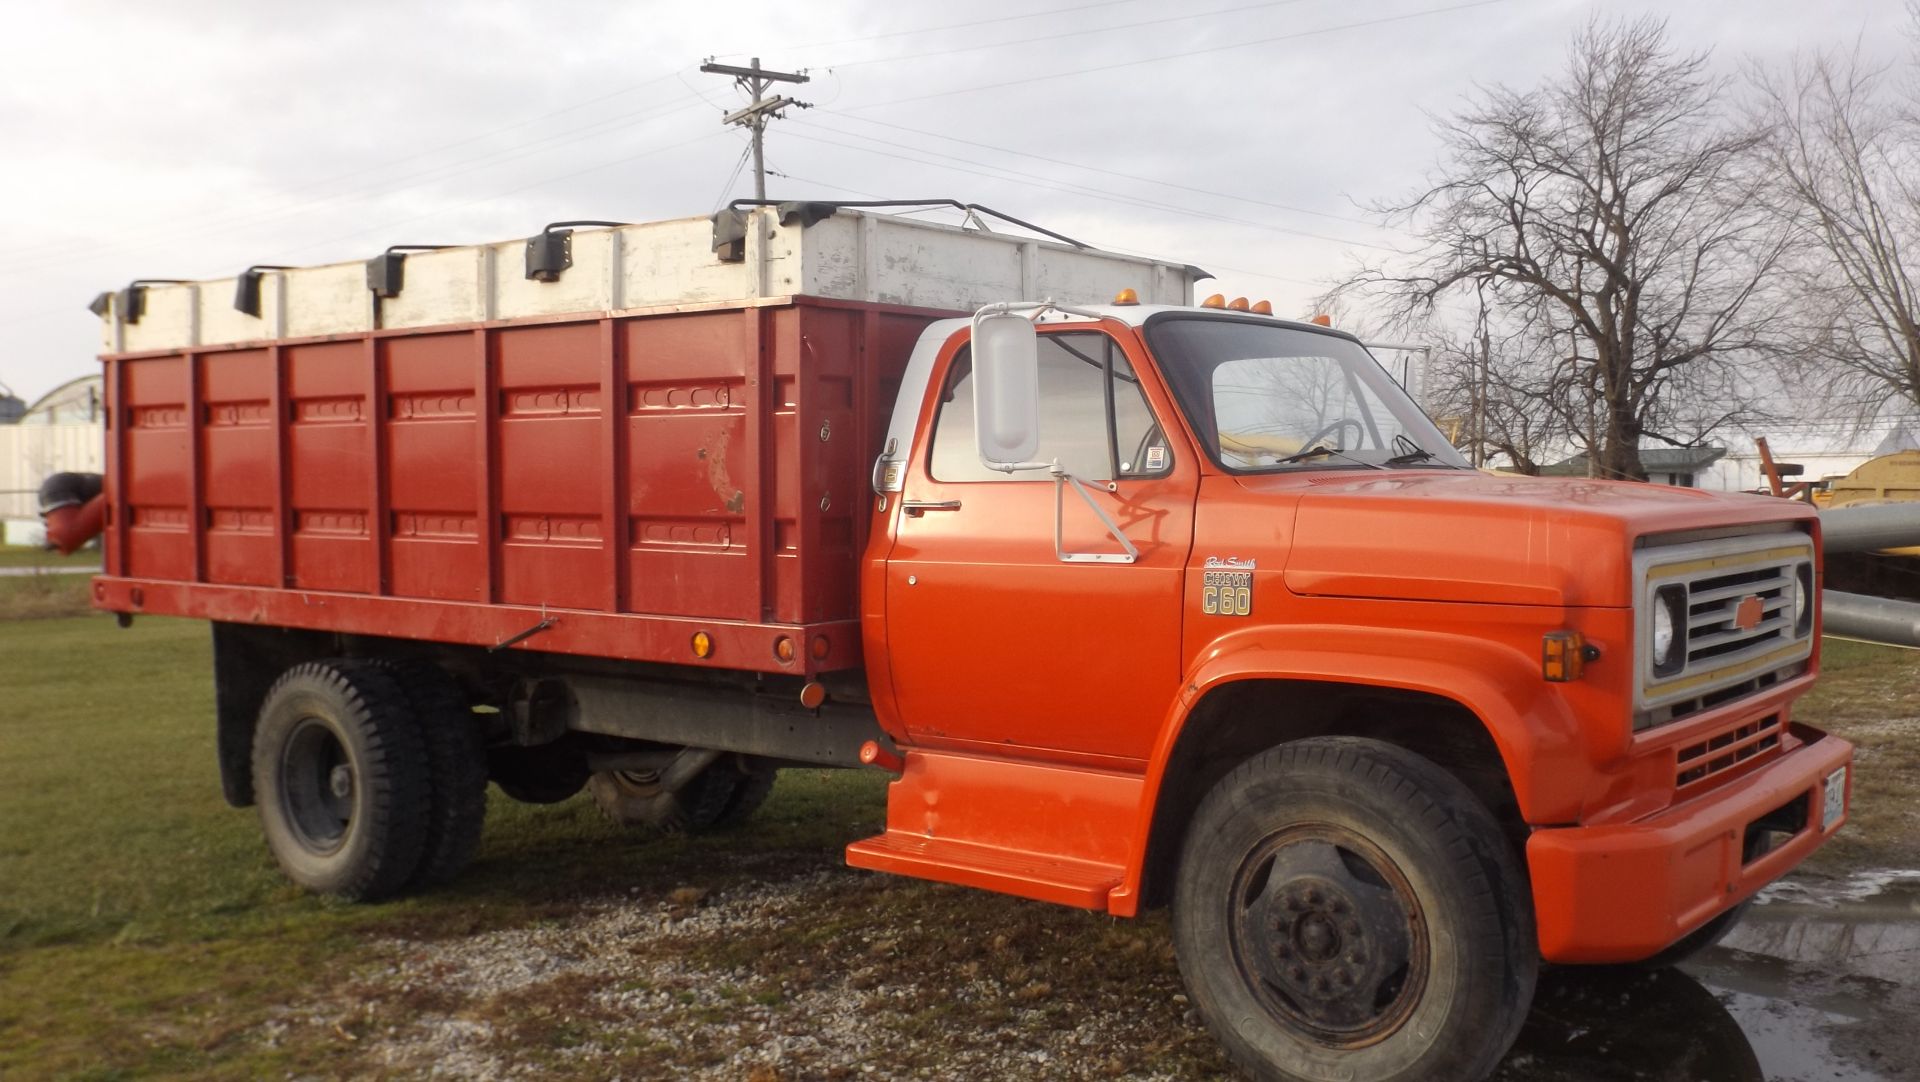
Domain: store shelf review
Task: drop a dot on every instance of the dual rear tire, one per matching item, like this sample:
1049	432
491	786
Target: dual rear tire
369	778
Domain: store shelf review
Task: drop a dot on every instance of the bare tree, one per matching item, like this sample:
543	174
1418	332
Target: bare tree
1610	212
1846	155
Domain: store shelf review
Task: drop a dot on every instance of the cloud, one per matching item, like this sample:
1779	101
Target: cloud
192	139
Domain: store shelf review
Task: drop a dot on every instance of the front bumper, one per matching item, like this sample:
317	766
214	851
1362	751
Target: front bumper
1623	892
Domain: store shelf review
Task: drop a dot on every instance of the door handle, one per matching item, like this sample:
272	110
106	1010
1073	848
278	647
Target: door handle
921	507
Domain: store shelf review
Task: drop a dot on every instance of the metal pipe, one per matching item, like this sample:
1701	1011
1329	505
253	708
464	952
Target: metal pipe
1876	619
1875	526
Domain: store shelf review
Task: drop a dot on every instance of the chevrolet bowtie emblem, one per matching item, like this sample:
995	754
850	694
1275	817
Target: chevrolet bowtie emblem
1746	615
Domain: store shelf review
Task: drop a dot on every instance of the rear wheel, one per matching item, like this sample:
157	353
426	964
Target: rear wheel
640	798
756	784
1348	910
457	769
728	791
342	779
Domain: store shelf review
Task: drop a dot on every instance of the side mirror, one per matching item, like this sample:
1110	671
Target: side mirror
1006	390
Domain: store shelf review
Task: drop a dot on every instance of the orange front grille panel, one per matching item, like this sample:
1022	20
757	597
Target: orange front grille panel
1695	763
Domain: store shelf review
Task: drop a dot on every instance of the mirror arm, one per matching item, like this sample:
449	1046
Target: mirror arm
1061	479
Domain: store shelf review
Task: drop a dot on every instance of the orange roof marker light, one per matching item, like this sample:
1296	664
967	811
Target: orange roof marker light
1215	301
1238	304
1322	320
1126	296
1263	308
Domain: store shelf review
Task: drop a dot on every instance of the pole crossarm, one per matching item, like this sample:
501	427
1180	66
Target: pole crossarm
756	80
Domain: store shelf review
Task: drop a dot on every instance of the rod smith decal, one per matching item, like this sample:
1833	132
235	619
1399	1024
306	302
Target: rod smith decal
1226	586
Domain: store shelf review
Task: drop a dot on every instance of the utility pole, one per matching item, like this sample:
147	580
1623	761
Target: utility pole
756	80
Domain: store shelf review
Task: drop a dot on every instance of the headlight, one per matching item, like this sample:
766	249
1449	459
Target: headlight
1668	649
1802	600
1662	635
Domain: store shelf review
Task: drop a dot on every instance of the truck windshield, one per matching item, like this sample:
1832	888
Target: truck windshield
1268	397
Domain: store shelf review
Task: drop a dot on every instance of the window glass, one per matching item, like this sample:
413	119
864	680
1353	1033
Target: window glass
1266	396
1073	416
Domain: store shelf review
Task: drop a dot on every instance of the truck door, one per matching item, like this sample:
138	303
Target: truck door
993	640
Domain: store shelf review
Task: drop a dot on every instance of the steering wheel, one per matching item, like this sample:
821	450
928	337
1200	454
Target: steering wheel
1359	431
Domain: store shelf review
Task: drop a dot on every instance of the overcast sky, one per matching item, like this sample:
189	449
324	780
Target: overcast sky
191	139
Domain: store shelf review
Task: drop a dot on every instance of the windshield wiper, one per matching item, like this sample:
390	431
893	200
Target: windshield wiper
1320	451
1413	453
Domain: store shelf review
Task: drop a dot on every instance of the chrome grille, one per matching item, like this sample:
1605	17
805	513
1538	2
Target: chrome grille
1715	604
1737	616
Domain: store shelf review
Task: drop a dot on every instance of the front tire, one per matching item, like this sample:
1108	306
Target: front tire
1348	910
341	773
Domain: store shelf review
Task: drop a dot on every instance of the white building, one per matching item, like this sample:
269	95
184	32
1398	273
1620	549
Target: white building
65	430
1824	449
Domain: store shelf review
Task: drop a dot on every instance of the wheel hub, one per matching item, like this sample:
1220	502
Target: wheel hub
1330	936
317	783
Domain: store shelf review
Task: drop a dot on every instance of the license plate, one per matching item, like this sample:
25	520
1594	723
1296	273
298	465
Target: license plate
1836	803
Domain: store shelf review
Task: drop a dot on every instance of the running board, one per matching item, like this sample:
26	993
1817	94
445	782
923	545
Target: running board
1037	830
1078	883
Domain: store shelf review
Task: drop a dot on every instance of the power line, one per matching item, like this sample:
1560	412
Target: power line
389	226
1181	55
953	26
727	188
446	171
1078	32
219	216
1004	173
1106	172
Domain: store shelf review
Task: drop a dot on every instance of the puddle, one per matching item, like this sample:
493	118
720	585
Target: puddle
1820	983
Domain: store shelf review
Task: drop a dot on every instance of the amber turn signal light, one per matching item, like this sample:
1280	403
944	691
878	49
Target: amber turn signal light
1126	296
702	644
783	648
1564	656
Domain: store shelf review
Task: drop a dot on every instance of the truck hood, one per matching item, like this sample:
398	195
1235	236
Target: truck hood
1469	536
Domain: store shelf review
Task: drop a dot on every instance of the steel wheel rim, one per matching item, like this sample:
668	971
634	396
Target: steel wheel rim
1328	935
319	786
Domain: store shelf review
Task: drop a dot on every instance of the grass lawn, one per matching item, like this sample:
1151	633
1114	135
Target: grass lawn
143	927
23	556
145	932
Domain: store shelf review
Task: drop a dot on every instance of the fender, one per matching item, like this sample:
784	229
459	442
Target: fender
1538	738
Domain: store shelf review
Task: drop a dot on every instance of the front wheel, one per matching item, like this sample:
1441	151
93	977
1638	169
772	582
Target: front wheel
1348	910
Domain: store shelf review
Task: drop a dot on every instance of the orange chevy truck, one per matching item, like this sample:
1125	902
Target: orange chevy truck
1143	602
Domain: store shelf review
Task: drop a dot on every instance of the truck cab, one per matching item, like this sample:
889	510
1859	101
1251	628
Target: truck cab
1119	560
